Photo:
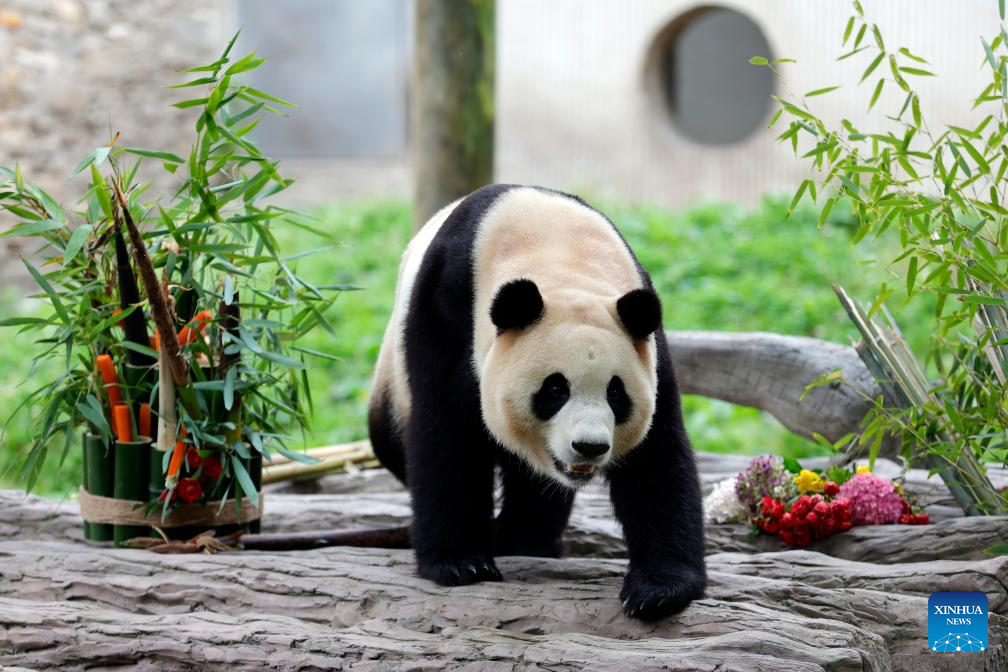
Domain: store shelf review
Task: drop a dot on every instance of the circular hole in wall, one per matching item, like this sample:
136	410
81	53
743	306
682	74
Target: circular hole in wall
707	86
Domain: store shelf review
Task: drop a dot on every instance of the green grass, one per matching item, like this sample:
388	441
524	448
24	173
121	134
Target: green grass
716	267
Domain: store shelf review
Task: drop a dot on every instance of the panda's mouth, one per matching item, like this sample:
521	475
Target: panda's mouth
583	472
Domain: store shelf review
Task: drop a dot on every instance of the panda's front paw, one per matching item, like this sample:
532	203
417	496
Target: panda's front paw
649	596
460	571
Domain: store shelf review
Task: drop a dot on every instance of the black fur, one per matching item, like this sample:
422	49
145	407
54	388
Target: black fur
551	397
450	455
516	305
619	400
640	312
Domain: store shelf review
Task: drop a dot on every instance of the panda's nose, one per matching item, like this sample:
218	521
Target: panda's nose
590	449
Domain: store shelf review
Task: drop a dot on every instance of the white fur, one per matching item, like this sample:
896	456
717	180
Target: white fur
581	267
390	369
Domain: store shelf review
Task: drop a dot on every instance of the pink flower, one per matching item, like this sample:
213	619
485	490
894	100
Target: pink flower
873	500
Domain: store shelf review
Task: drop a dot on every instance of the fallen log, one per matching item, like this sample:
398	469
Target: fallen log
69	604
771	372
73	635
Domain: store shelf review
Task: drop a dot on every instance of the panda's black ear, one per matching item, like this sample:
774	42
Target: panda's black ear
517	305
640	312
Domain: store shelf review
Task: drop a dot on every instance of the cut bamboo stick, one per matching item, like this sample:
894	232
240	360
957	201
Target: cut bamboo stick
322	452
131	471
100	478
296	470
902	378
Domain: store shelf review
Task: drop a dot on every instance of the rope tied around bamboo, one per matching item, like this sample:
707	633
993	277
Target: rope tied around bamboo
106	510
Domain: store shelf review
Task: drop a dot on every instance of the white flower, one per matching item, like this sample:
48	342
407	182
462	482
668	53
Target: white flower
722	505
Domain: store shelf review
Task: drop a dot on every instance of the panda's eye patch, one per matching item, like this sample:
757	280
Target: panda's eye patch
619	400
551	397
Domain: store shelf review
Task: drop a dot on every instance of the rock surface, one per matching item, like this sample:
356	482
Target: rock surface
855	602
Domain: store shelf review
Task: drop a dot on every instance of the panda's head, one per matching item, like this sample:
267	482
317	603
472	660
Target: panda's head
569	383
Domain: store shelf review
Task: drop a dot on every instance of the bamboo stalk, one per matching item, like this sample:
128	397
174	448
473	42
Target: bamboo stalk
85	481
335	450
100	478
155	295
296	470
134	324
903	380
131	478
167	424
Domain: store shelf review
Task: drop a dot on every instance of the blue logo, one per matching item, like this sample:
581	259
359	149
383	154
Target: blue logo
957	622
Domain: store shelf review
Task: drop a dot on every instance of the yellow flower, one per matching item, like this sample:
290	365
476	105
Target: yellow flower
809	481
863	470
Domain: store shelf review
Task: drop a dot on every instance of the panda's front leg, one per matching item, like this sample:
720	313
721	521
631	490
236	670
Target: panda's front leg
451	477
656	497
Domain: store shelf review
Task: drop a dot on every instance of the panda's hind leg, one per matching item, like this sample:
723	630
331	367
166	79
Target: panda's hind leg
385	436
533	514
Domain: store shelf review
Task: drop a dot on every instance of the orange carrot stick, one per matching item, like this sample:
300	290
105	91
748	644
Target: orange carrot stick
144	421
197	325
121	423
110	379
177	454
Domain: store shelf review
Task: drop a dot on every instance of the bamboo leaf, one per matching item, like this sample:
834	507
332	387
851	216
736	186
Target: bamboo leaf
819	92
76	243
872	66
876	93
32	228
229	386
848	29
244	480
911	275
155	154
54	297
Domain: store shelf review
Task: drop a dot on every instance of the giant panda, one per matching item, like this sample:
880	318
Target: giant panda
526	337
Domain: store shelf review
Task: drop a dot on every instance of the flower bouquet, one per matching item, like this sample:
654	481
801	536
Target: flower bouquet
779	497
175	321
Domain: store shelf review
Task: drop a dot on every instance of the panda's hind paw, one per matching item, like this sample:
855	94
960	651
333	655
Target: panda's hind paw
460	571
649	598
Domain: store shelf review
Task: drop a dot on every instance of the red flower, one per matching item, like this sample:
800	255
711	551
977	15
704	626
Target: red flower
771	526
189	490
778	510
193	458
788	521
212	467
831	489
766	506
801	536
802	506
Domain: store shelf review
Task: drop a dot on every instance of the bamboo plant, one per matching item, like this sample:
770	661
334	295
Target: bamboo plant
940	191
175	315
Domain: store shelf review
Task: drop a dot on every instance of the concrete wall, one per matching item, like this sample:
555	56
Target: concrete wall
579	105
576	107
